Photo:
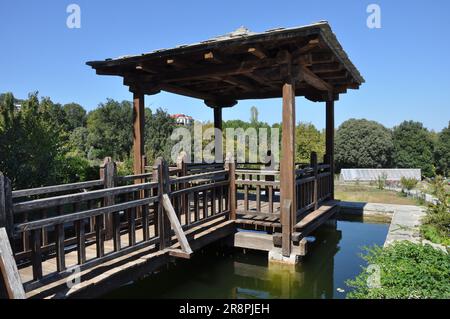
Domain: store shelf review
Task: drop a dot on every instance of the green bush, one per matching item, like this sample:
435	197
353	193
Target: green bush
407	270
436	224
408	183
381	181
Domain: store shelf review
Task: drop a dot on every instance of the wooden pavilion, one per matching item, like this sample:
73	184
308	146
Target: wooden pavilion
302	61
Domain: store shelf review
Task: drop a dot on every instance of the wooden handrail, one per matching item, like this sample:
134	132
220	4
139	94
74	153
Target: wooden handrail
78	197
189	178
56	188
52	221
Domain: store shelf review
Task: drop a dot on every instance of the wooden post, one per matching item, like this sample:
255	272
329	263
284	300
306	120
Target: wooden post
8	268
218	147
138	132
330	141
270	178
6	205
182	166
231	167
313	160
287	167
163	188
108	173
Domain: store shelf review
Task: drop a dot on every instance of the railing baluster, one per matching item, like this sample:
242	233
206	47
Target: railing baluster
131	223
36	254
60	253
213	201
196	206
99	240
205	204
258	198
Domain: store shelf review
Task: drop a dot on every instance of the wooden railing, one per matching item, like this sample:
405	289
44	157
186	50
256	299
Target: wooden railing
251	183
49	222
313	185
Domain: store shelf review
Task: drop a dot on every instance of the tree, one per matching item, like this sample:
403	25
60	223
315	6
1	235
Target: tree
363	144
75	116
79	141
308	139
254	115
413	147
110	130
158	129
32	144
442	152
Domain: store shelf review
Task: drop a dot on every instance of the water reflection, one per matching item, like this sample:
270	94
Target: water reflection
312	278
220	273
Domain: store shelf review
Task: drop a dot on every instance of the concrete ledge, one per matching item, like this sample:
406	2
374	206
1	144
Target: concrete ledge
276	256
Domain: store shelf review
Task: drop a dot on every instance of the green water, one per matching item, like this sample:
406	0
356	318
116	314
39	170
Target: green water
216	272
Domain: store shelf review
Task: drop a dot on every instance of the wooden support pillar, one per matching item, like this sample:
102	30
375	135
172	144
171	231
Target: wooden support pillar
138	132
330	141
6	205
231	167
218	146
287	165
313	163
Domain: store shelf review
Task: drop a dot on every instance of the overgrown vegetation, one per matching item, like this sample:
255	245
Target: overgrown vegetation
381	181
408	183
370	194
436	224
407	270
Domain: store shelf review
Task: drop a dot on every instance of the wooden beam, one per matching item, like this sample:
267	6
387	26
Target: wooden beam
215	70
314	43
170	211
213	57
326	67
186	92
287	165
138	132
8	268
329	141
258	52
309	77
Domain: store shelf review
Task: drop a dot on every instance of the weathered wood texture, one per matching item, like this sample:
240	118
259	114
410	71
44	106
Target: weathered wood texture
287	167
330	142
138	132
9	272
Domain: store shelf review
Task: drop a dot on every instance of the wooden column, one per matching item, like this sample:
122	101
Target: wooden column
218	139
287	165
231	167
138	132
330	141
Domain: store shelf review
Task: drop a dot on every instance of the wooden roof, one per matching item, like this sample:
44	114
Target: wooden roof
243	65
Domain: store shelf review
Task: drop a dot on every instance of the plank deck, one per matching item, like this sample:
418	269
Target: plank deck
315	215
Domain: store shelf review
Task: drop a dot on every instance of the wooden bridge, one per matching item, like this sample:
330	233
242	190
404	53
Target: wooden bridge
109	231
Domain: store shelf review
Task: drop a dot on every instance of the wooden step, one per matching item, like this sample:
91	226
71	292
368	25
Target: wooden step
316	215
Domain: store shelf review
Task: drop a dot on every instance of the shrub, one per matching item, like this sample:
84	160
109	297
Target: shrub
436	224
408	183
407	270
381	181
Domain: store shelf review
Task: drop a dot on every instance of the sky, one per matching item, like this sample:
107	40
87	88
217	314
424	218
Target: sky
405	62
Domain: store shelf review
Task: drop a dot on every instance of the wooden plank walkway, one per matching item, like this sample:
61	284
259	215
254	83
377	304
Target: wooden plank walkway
103	276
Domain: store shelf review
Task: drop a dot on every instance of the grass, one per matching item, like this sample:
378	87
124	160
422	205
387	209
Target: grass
370	194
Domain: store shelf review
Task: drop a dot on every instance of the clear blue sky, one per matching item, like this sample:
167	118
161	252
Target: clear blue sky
405	63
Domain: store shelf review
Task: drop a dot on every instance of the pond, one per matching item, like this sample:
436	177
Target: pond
216	272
